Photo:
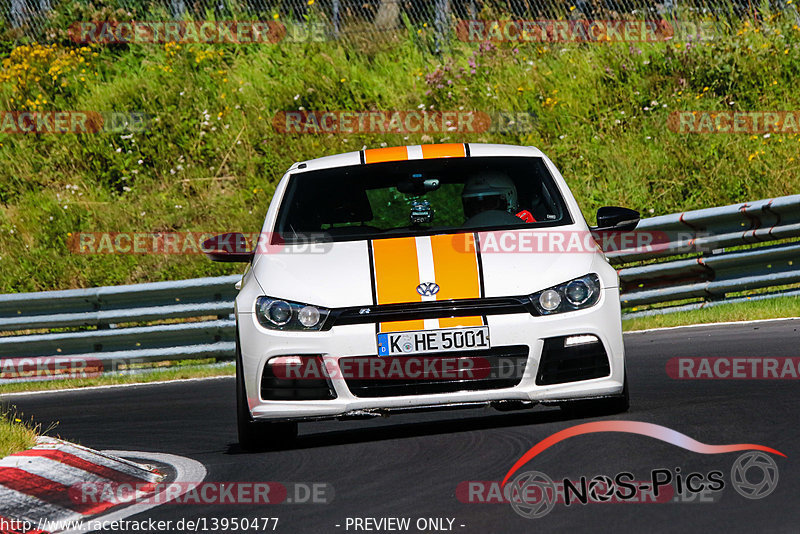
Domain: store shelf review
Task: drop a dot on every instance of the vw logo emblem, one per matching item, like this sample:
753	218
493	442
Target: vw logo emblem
427	289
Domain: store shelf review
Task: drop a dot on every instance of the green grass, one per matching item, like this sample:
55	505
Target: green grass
212	159
738	311
156	375
15	434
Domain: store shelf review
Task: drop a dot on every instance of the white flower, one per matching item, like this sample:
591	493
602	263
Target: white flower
140	161
119	149
653	103
296	97
181	93
561	136
142	214
767	136
178	206
126	188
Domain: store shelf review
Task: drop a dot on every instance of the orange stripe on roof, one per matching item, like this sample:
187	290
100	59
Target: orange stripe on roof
449	150
457	274
396	277
380	155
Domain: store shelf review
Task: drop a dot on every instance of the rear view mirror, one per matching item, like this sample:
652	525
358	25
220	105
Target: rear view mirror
230	248
417	186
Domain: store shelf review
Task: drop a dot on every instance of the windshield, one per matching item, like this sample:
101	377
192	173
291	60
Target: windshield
420	197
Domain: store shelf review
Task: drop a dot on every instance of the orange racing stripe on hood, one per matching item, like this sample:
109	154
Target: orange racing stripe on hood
458	275
396	264
396	277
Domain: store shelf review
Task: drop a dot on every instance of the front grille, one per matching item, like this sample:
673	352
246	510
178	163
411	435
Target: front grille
560	364
429	310
495	368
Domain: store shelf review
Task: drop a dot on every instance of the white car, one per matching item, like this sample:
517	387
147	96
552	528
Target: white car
423	277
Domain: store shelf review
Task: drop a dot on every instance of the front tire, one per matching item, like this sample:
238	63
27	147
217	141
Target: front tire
258	435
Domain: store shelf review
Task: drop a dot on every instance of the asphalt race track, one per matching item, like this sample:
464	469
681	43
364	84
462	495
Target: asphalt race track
410	465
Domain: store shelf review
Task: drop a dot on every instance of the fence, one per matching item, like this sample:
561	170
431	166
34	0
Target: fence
370	20
652	277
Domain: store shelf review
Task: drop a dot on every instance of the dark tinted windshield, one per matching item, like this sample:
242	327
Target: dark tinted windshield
420	197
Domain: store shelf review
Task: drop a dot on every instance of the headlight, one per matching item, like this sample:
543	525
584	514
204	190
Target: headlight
281	314
574	295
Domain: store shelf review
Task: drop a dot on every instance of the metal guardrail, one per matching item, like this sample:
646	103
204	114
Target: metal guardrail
710	273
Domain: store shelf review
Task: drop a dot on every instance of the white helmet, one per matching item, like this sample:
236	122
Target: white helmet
489	191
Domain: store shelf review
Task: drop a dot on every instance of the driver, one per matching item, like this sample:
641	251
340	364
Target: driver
492	191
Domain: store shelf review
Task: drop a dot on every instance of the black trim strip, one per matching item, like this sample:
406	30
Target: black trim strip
437	309
477	239
373	282
362	156
466	149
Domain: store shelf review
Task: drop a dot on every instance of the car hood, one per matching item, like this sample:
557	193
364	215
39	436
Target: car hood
384	271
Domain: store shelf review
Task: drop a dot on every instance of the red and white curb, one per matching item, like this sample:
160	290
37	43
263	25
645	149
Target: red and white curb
37	486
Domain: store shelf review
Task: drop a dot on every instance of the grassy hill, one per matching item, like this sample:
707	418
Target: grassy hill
211	157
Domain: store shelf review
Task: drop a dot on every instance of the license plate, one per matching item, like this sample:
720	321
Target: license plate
442	340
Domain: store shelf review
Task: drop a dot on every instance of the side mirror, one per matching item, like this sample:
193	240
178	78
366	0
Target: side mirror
616	218
230	248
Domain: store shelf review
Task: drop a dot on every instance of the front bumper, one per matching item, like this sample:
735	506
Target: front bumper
259	345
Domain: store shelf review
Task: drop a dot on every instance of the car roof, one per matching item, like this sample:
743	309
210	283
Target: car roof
414	152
